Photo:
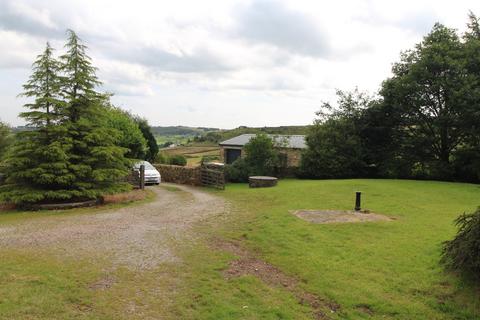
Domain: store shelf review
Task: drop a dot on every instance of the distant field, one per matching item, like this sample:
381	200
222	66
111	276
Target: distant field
175	139
193	154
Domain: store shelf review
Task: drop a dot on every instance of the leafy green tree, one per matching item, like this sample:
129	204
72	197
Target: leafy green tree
36	166
436	95
96	161
261	157
131	137
152	146
335	146
467	158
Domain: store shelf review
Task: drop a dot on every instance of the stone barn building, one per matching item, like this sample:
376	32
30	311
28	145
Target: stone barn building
289	146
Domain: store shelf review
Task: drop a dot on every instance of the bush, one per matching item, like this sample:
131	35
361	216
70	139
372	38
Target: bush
5	138
462	254
161	158
238	171
177	160
261	158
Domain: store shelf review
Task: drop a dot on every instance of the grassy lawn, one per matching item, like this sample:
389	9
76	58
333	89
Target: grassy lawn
380	270
389	269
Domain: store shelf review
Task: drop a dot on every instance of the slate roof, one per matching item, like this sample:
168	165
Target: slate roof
287	141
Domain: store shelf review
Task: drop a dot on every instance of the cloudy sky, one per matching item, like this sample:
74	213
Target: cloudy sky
221	63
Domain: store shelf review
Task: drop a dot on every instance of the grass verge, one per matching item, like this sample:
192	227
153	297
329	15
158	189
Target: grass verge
379	270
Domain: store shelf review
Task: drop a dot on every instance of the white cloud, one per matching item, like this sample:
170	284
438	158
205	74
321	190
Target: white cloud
221	63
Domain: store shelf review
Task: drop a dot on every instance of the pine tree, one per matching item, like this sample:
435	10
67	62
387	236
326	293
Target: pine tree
97	163
36	167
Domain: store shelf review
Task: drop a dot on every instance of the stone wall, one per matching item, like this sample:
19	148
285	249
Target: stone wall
293	157
181	175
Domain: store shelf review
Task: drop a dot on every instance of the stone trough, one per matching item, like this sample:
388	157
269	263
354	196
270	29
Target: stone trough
262	182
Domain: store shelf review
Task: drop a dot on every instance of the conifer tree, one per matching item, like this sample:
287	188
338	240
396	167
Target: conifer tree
97	163
36	167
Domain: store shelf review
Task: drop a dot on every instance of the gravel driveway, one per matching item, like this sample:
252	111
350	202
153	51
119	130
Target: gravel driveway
138	237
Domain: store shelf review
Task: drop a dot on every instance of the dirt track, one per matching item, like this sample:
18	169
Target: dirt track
138	237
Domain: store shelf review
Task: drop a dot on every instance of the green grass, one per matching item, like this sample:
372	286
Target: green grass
13	216
37	284
391	267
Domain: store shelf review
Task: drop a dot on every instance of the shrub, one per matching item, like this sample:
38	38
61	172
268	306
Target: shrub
462	254
261	158
161	158
177	160
238	171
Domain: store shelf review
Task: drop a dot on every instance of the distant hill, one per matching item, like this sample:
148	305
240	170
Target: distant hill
178	135
181	131
220	135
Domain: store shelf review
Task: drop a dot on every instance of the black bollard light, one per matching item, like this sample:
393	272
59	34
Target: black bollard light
358	200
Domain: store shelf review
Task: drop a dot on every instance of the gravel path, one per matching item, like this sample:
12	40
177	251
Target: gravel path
139	237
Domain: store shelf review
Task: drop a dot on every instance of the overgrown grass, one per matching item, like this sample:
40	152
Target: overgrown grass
389	268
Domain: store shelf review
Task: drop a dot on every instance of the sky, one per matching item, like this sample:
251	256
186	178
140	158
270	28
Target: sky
221	63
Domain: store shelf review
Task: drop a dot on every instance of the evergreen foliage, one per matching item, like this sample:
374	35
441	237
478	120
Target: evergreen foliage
152	146
70	152
36	166
462	254
5	138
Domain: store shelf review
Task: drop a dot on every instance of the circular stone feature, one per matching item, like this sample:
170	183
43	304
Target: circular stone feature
262	181
339	216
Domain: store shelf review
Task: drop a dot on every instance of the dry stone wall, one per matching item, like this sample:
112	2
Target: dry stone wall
181	175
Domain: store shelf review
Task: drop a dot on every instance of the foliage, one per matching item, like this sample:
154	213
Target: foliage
238	171
424	125
261	157
152	146
97	163
335	148
36	166
174	159
131	137
5	138
462	254
177	160
436	95
68	150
